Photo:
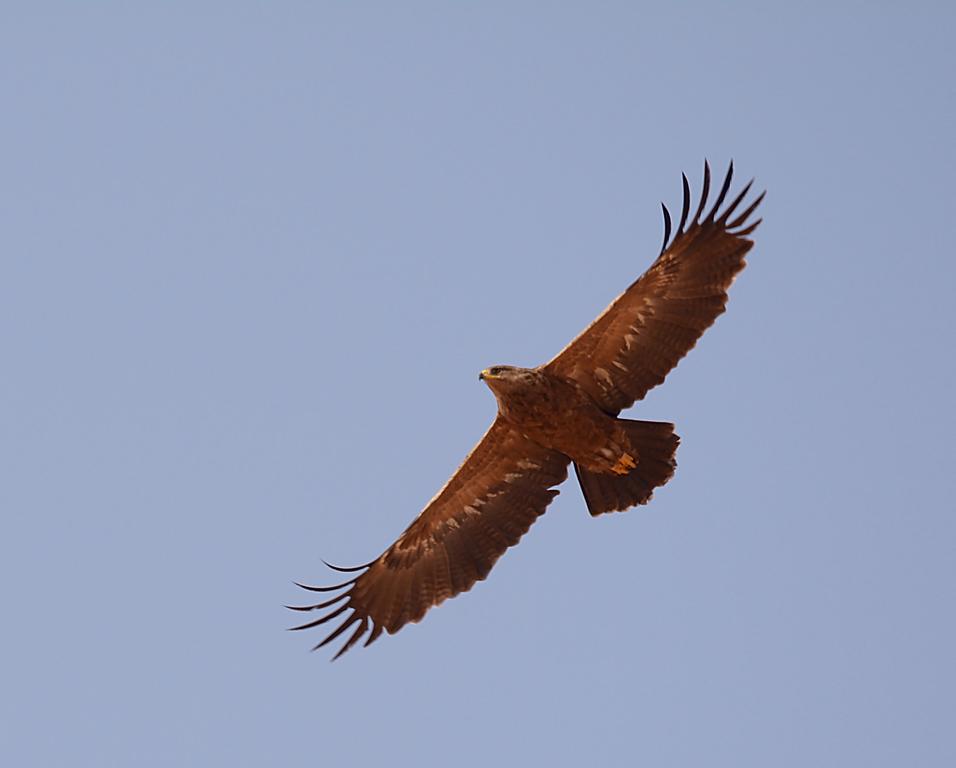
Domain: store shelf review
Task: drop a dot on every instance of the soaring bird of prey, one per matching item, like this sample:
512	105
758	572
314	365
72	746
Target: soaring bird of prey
565	411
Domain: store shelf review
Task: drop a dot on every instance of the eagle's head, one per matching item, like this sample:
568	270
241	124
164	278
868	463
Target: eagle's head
504	378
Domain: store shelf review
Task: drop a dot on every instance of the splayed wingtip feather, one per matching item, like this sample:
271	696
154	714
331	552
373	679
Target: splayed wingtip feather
723	192
705	191
331	588
667	227
685	205
350	569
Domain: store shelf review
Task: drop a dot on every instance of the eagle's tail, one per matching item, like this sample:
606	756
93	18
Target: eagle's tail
656	445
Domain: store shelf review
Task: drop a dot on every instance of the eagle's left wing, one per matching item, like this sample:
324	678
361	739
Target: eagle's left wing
643	334
502	487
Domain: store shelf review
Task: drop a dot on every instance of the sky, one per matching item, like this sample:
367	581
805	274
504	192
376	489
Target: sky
252	257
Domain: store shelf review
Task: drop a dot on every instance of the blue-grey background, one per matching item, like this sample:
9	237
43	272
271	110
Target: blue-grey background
252	257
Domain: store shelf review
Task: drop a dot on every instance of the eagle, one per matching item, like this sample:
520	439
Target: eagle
563	412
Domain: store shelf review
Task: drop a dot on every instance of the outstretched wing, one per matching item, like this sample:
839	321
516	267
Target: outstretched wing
502	487
642	335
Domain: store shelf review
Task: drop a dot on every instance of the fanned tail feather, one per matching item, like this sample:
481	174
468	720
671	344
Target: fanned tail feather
656	444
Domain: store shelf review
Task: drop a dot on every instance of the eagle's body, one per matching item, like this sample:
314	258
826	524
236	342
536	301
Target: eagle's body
556	413
565	411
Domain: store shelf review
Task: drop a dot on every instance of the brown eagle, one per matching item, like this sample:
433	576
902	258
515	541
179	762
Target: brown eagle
565	411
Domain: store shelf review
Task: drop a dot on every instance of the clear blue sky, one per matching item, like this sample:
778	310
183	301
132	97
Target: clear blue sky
252	257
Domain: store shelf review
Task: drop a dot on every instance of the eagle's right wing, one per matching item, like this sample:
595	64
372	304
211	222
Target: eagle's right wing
502	487
646	330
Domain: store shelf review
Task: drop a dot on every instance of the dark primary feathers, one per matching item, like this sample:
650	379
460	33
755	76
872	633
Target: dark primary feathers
507	481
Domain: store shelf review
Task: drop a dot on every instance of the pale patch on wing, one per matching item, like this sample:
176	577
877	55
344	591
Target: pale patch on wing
603	377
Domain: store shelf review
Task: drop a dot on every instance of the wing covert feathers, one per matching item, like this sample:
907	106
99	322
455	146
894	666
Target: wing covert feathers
632	346
490	502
